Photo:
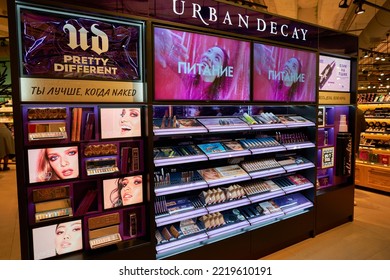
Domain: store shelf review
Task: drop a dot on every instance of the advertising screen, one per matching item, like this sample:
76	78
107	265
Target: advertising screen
283	75
62	45
54	163
192	66
122	191
57	239
335	74
120	122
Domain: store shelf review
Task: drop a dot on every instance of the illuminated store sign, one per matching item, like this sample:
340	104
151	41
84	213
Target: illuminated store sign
209	15
76	58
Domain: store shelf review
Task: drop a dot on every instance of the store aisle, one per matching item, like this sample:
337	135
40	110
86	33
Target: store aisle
366	238
9	218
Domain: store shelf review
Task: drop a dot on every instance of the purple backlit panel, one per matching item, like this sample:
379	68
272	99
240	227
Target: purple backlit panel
192	66
57	45
283	74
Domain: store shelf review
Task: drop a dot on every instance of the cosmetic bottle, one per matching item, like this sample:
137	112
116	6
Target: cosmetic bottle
326	138
343	149
249	119
326	73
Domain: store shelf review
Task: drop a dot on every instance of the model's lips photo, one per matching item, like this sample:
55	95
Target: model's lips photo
126	128
206	62
65	244
127	196
67	172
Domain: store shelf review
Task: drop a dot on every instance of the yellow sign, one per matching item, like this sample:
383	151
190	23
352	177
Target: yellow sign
76	91
337	98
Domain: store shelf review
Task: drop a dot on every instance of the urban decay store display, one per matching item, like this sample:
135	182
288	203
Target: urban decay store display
85	177
336	127
147	139
242	168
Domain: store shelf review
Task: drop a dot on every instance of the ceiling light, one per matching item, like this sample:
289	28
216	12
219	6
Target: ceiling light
344	4
366	54
377	58
383	58
359	9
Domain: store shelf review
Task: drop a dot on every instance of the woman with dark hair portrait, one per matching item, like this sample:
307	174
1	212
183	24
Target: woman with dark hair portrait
208	82
283	74
130	122
128	191
68	237
287	89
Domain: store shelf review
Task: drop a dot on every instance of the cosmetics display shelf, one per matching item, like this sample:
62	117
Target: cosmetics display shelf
334	143
98	158
174	126
376	135
373	98
172	155
231	165
372	163
335	166
253	191
183	235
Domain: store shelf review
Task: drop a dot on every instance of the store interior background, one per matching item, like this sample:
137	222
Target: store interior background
372	27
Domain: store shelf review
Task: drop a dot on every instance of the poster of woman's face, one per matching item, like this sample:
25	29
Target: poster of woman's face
120	122
191	66
57	239
283	75
122	191
55	163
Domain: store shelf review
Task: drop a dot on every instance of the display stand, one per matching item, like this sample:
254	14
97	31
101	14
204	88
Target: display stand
336	129
230	172
372	162
82	124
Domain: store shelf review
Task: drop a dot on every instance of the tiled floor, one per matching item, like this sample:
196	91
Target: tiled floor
366	238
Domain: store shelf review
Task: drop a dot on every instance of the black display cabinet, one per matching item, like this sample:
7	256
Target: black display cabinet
232	166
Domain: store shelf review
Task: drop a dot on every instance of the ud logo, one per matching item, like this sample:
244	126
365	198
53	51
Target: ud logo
79	38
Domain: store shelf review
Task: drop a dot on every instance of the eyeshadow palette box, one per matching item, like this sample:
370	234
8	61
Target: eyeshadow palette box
103	230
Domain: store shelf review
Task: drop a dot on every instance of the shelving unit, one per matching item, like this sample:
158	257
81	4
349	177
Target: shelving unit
335	183
234	171
372	163
336	130
264	155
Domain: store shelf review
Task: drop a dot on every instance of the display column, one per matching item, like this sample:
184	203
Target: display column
81	127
